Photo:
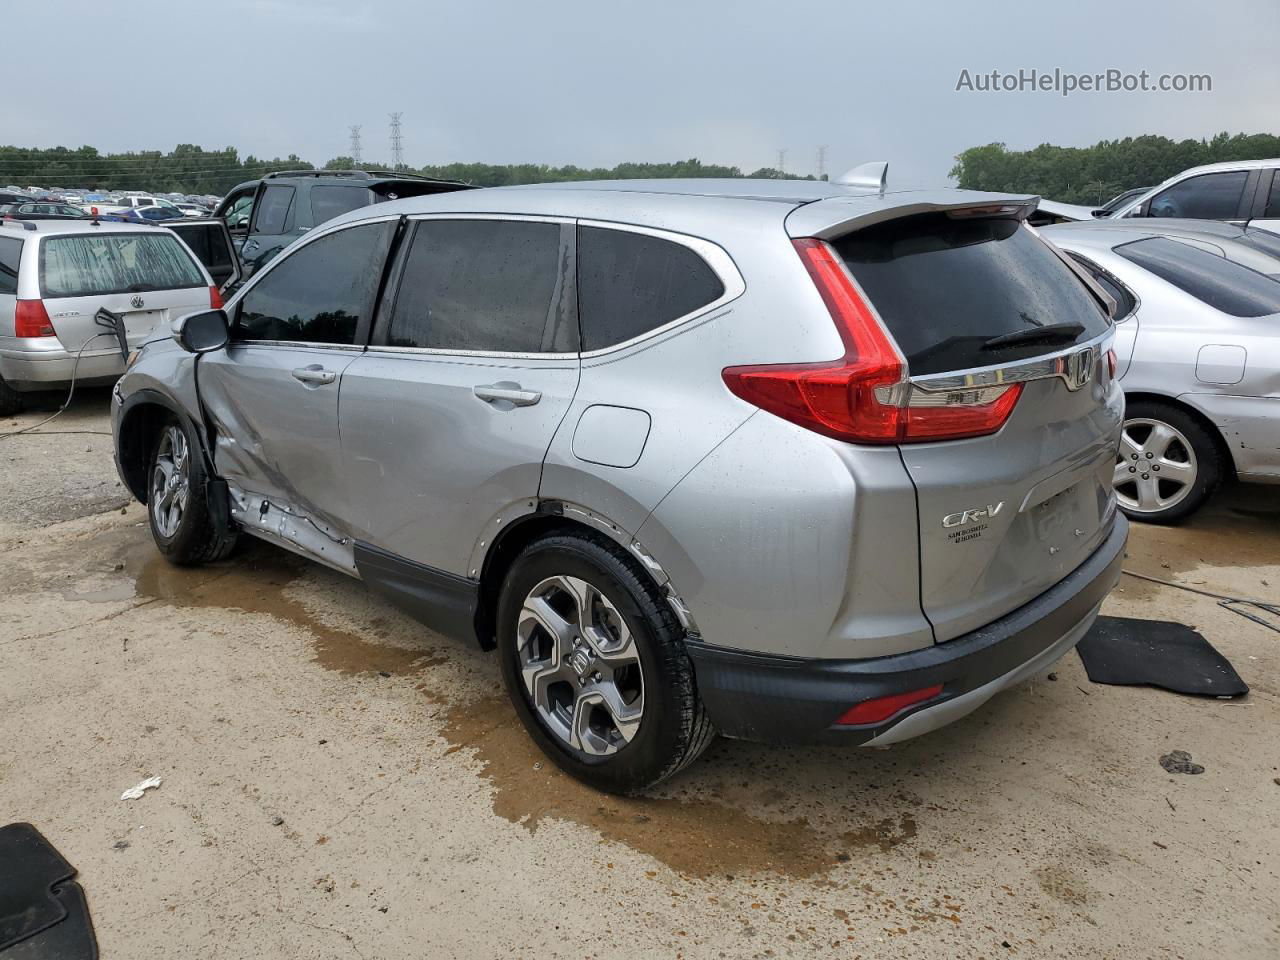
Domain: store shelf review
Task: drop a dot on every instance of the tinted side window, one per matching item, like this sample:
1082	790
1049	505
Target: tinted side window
321	293
486	285
1273	198
328	201
273	210
10	255
1214	196
631	283
1222	284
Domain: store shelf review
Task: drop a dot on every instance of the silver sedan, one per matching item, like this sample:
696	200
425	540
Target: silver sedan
1198	356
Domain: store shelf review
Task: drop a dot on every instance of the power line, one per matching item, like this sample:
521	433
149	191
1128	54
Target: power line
355	143
397	145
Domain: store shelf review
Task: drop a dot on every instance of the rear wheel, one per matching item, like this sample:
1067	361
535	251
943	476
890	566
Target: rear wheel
1167	465
594	661
10	400
181	524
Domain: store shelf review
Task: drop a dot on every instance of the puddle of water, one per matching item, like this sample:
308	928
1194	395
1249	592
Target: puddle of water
700	838
254	580
1238	527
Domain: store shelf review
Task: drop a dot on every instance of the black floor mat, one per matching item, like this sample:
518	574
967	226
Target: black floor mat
42	911
1157	653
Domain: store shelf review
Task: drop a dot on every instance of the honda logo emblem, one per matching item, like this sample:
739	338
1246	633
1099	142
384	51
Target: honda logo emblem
137	302
1077	369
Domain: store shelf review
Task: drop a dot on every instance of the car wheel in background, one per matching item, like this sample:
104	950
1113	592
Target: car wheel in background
594	661
1167	464
177	509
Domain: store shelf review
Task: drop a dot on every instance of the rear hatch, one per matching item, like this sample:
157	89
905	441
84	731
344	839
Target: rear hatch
147	276
983	312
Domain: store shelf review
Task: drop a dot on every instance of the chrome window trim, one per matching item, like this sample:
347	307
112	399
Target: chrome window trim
310	237
712	254
1043	367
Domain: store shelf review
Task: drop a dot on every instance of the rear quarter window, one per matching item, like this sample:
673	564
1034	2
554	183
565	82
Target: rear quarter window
947	287
10	258
630	283
329	201
1222	284
82	266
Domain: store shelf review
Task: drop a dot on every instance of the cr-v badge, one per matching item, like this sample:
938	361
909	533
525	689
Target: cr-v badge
972	516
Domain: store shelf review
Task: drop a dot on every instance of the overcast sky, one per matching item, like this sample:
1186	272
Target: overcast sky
599	82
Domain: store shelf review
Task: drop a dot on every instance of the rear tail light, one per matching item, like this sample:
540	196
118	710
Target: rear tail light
865	396
31	319
883	708
215	299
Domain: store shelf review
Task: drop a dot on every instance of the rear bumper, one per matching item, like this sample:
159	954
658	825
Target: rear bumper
52	366
774	699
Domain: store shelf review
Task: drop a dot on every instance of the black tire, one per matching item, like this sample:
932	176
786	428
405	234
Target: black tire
196	538
674	729
1209	467
11	401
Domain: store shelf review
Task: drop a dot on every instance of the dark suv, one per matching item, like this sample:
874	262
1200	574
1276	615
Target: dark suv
266	215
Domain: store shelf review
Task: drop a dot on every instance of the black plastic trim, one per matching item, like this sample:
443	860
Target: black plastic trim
443	601
773	699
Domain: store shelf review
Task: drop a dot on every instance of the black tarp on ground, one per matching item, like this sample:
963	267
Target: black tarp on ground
1157	653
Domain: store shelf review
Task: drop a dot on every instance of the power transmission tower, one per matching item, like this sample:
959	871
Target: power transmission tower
355	143
782	159
822	162
397	145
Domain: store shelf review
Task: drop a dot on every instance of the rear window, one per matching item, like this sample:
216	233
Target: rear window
10	255
330	201
946	288
1220	283
115	263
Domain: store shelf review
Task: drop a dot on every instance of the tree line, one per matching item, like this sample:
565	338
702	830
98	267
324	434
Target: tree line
1092	175
192	169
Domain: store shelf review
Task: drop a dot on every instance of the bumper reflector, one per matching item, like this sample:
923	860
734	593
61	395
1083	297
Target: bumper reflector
882	708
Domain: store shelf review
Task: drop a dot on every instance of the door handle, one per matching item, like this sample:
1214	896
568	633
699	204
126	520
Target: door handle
314	374
510	392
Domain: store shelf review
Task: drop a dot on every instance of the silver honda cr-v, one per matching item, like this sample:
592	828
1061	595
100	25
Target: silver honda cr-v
788	461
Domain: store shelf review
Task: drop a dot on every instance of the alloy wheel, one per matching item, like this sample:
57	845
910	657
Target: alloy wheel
1155	467
170	481
580	665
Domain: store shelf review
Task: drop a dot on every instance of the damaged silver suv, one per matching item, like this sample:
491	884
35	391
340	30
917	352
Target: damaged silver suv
787	461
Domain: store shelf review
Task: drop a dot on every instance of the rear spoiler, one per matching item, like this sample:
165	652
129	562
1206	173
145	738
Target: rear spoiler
836	216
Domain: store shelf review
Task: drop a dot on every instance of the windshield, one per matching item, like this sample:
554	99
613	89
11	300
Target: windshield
81	266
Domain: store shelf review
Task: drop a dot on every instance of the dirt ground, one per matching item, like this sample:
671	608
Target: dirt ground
339	782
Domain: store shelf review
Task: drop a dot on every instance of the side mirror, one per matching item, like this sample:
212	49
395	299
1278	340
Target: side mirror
202	332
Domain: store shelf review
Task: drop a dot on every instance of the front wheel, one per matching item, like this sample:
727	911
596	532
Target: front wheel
1167	464
593	659
177	509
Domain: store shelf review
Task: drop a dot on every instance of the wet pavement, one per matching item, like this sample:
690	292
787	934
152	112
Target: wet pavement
338	781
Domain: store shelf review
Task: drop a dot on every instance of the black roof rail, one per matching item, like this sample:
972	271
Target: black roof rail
354	174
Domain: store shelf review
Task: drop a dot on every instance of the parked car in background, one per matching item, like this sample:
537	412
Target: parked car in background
10	198
45	211
266	215
209	239
1050	211
599	427
191	209
1118	201
54	277
1245	191
1248	246
1198	349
